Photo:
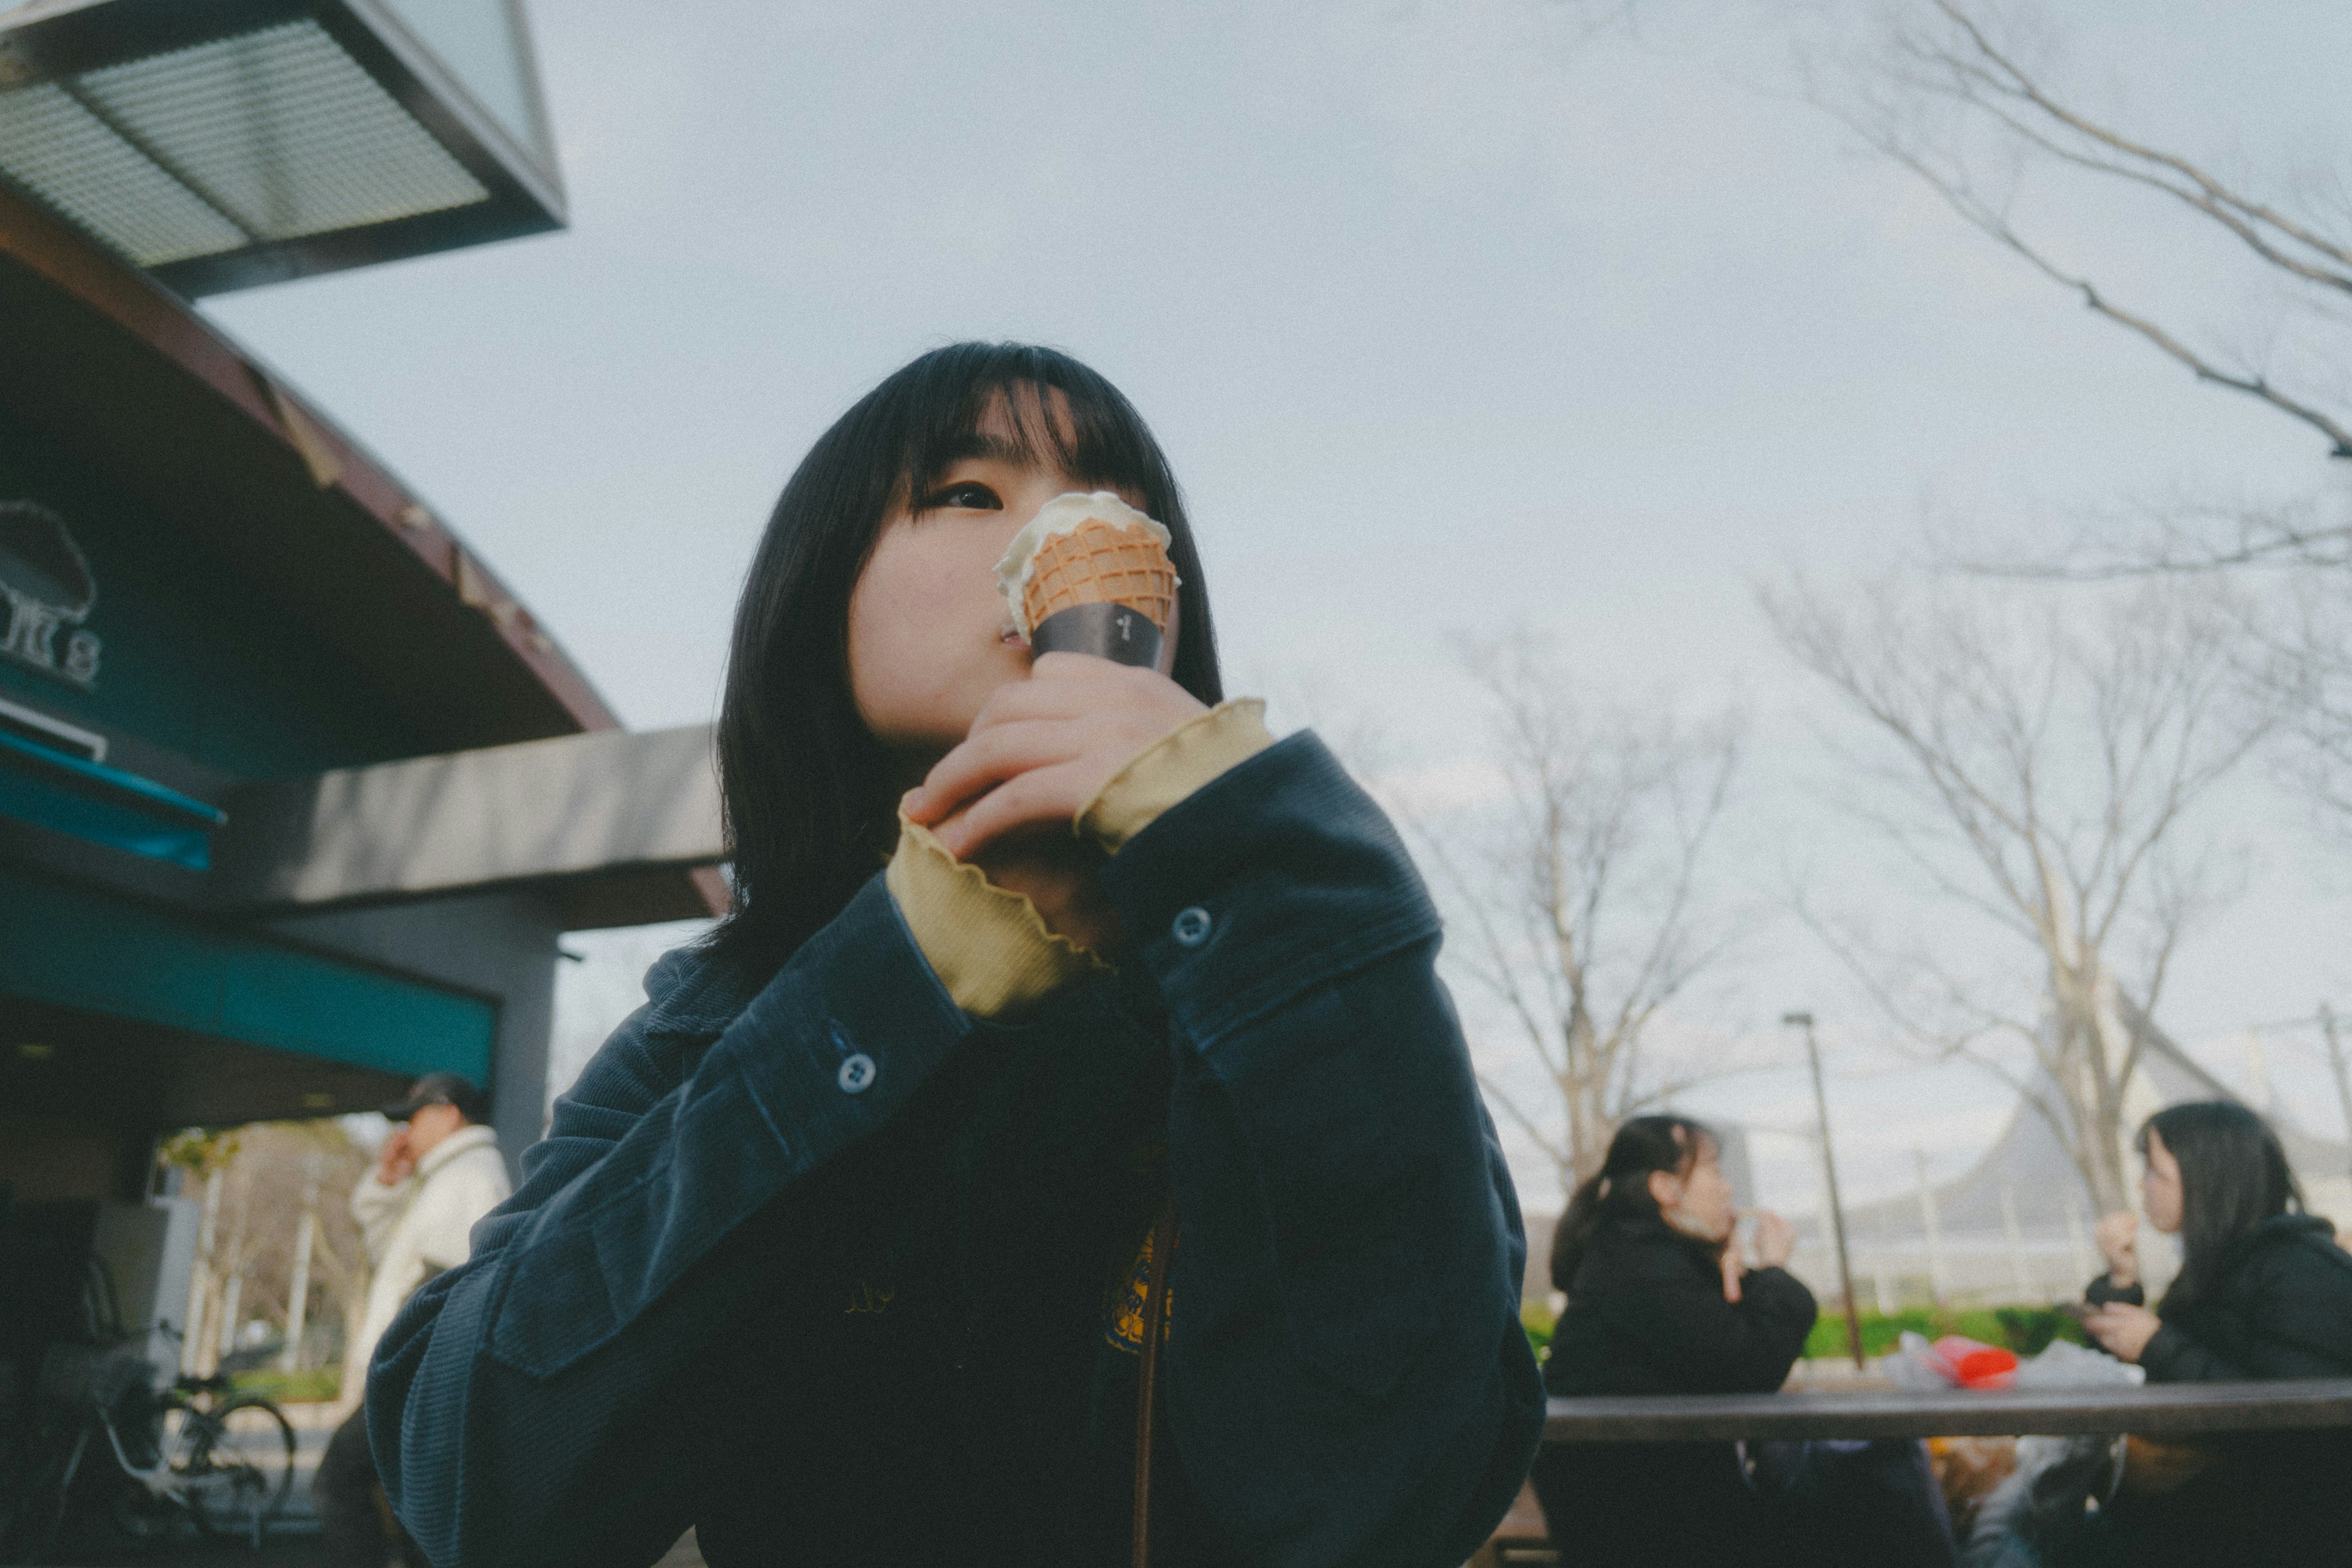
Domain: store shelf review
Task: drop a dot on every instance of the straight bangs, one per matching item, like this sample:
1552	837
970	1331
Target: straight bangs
805	788
1103	444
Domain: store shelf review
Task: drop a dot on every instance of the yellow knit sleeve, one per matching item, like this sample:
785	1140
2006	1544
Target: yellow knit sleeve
1172	767
989	945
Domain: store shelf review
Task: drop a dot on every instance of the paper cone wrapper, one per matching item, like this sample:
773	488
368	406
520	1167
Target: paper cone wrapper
1116	632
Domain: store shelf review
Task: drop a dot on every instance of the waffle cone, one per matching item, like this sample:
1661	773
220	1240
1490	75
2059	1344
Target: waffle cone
1100	562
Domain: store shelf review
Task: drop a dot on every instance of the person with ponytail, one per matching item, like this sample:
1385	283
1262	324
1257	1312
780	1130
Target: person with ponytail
1063	1154
2263	1291
1660	1301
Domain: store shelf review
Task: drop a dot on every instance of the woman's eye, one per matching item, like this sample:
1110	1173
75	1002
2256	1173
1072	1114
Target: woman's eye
968	496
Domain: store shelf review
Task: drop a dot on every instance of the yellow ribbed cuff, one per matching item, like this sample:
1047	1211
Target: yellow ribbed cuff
1172	767
989	945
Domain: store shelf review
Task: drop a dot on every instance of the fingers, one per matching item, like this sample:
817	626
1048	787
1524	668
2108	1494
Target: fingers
2104	1324
1060	685
1731	1275
987	760
1047	795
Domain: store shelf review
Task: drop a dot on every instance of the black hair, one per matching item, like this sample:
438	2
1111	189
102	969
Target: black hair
1620	1188
2233	1176
805	787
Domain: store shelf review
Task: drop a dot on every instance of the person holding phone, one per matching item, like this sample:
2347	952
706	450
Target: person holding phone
436	1174
2263	1291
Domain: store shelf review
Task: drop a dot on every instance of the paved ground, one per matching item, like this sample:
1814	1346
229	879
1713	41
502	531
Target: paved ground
299	1549
293	1541
286	1549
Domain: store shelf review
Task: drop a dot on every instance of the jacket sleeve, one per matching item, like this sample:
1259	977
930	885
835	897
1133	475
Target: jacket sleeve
538	1404
2299	1324
451	1206
1699	1343
1349	1381
2102	1290
377	1207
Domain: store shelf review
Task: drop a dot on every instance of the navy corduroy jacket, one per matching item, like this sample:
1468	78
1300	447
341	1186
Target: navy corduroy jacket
1347	1379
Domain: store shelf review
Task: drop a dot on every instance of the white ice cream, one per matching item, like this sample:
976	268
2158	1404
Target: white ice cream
1062	515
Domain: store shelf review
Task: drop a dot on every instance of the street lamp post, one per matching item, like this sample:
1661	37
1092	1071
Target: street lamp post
2335	1064
1829	1165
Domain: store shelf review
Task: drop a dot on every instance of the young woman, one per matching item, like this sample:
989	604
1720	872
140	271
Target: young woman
841	1248
1659	1303
2263	1291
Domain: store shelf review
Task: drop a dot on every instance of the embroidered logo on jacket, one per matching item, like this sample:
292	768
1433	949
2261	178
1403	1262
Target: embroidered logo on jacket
1125	1330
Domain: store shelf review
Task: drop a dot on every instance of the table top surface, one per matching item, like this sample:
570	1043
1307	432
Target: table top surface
2156	1409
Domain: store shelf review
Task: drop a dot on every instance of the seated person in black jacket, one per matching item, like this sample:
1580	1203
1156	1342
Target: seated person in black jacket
2264	1292
1658	1303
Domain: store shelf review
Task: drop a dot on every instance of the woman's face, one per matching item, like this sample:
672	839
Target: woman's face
929	634
1699	1202
2159	1187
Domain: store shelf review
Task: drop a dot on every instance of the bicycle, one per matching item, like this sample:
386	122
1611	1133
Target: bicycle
109	1443
224	1460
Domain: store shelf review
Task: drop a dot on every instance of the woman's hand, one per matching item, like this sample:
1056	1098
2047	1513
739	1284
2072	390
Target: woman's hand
2118	1237
1776	1240
1041	748
2122	1329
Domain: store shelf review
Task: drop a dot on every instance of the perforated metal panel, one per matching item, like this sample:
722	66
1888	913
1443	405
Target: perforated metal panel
282	131
53	148
314	136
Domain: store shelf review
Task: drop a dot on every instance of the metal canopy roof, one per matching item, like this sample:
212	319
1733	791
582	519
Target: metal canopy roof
223	144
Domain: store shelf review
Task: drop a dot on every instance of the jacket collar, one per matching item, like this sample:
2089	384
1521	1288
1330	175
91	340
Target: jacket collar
690	992
456	1143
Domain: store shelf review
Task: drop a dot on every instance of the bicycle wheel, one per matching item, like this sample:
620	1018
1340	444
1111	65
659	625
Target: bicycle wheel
236	1466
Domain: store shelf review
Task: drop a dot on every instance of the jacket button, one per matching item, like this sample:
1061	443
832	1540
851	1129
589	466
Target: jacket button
857	1073
1191	927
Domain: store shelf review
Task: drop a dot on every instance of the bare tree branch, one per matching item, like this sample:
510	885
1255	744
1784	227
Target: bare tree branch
2064	747
1987	89
1581	889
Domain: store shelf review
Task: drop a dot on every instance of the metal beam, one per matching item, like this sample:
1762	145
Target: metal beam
615	825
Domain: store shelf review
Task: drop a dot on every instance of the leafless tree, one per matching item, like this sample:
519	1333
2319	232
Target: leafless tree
2039	760
1963	93
1579	902
1957	97
266	1172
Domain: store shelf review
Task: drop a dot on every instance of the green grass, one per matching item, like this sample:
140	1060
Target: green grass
1537	1320
2025	1330
315	1385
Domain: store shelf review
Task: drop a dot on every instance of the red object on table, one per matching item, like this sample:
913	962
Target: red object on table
1972	1364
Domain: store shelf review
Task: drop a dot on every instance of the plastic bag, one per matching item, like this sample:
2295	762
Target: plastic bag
1951	1362
2065	1364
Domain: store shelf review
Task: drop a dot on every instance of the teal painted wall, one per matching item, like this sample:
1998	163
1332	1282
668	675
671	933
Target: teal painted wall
195	658
80	948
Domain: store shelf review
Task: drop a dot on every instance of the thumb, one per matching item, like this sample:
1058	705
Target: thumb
1731	1277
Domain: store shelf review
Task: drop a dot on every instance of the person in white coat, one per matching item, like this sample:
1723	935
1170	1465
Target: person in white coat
436	1177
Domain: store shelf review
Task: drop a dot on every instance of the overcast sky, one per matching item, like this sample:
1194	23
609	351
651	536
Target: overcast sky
1453	318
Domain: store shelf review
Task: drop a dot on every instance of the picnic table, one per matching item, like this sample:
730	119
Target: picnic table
2175	1409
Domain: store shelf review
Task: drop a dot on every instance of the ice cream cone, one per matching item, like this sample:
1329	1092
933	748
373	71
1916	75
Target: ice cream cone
1091	574
1100	562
